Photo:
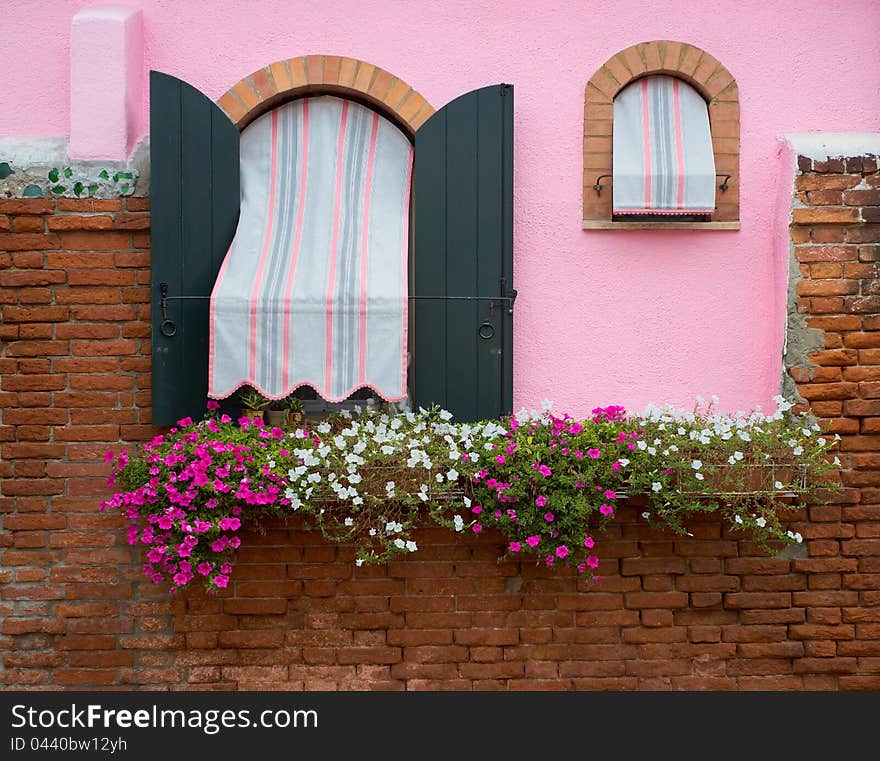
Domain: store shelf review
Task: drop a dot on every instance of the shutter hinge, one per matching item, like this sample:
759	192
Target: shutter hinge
503	88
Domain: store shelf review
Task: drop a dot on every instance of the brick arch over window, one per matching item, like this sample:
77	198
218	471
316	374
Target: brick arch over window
347	77
694	66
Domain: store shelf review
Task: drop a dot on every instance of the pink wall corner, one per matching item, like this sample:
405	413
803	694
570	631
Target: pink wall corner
106	82
786	162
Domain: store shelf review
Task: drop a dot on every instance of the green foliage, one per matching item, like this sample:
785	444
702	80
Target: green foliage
252	399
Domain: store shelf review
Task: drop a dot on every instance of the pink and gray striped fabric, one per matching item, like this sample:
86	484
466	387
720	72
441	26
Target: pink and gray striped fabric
662	148
313	290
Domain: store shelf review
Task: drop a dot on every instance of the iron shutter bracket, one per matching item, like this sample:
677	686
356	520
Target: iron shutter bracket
511	296
168	328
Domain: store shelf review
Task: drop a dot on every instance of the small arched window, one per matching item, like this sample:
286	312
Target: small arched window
662	152
659	118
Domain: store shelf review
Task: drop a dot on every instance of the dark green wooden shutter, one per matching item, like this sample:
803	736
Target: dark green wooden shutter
194	186
463	247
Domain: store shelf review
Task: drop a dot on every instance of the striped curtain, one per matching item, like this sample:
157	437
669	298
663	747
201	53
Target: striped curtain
662	148
313	290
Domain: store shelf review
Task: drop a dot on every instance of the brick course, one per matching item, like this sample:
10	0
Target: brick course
703	612
319	74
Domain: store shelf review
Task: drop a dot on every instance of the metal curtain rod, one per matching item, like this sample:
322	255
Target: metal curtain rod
723	186
163	293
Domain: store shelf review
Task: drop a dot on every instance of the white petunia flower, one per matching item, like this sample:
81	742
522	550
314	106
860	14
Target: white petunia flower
696	464
646	515
372	532
778	485
411	546
387	449
699	476
423	492
458	522
349	521
738	519
452	474
656	486
359	562
761	521
400	544
797	451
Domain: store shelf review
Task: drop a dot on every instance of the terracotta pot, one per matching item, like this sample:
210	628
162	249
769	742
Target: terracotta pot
253	414
276	418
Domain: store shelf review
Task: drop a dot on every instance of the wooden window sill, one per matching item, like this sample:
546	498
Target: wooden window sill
607	224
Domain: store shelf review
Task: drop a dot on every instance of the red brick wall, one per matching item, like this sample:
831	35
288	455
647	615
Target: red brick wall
708	611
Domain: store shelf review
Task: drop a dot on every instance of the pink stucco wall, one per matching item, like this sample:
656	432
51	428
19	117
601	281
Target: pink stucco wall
602	316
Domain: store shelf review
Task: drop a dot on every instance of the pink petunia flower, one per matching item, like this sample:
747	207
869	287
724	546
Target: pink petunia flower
592	561
589	543
549	517
606	510
221	580
500	459
561	551
477	528
540	501
213	405
515	546
533	541
594	454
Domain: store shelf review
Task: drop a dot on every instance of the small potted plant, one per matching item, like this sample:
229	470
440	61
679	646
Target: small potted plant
294	409
277	413
253	402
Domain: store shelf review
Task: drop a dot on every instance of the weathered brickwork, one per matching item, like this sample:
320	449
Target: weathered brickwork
708	611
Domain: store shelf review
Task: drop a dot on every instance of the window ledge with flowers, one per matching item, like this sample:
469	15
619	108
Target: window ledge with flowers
550	483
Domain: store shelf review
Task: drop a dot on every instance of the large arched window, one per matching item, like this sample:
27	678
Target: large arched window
313	290
207	192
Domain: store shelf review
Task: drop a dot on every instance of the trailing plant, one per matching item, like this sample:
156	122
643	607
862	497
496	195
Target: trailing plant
550	483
